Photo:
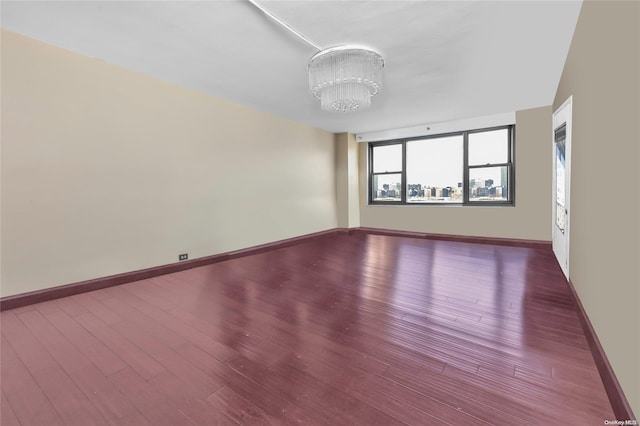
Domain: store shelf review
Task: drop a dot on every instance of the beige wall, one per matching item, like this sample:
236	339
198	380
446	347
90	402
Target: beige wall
602	73
106	171
347	180
529	219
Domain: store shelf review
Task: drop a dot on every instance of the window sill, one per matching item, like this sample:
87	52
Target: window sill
455	205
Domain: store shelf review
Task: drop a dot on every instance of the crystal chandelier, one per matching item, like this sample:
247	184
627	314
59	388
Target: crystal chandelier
345	78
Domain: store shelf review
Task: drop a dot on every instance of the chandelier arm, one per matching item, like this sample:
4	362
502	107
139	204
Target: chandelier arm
284	25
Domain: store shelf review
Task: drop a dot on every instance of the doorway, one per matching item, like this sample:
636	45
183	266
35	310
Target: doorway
562	183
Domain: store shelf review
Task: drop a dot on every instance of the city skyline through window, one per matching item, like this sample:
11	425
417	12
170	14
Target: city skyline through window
434	169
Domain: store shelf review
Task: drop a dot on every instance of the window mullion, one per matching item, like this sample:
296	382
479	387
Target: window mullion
370	179
465	168
512	173
403	174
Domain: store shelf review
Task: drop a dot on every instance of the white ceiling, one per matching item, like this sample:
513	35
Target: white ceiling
444	60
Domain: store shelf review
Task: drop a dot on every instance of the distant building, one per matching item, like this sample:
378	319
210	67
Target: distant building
415	190
476	183
504	174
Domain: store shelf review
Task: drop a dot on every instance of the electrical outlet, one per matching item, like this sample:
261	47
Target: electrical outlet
183	256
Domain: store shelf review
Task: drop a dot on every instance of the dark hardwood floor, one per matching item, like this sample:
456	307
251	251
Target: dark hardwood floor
346	329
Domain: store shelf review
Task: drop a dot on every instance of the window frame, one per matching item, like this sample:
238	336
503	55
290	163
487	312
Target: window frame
510	164
403	173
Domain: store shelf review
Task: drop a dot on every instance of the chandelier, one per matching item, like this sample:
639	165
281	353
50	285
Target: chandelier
345	78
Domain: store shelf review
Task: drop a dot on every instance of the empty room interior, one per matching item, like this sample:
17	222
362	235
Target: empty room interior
320	212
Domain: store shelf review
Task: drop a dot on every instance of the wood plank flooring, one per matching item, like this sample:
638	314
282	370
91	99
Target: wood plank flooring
346	329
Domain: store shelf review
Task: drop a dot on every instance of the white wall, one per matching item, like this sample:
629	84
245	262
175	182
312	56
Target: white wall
602	72
106	171
529	219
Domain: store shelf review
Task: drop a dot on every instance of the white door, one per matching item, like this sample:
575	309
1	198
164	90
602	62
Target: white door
562	183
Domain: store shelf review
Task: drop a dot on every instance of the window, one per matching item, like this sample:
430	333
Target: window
435	169
469	168
387	172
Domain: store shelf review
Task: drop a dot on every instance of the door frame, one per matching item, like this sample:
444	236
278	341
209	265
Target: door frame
561	241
